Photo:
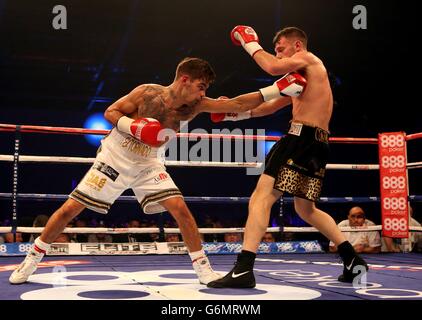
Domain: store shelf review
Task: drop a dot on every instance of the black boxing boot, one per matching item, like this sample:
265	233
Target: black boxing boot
241	276
353	264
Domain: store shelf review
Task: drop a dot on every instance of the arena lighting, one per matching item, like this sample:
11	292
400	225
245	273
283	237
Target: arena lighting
269	144
96	121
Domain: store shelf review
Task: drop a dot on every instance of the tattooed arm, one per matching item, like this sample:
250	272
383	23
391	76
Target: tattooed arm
143	101
125	106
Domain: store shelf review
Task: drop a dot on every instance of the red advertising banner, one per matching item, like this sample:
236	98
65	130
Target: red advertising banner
394	184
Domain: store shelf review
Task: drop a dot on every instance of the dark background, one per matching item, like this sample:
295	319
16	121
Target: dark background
60	77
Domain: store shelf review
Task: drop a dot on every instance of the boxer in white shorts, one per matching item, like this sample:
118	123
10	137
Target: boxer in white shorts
127	159
124	162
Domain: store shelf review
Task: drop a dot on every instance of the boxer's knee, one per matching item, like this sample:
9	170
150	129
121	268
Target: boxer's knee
261	200
264	194
304	207
178	208
70	209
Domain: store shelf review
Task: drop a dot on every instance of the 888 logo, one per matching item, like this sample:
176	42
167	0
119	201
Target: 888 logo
395	224
393	183
25	247
392	141
394	203
393	161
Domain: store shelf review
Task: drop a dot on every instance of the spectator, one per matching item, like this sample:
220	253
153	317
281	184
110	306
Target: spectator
212	237
137	237
172	237
62	238
134	237
268	237
233	237
26	221
71	237
415	237
39	222
81	237
390	244
154	236
288	236
8	237
363	242
100	238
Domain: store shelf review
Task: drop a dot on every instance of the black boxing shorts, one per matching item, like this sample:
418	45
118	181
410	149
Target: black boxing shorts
297	162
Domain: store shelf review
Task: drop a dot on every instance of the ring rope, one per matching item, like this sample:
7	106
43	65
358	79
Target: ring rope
414	136
68	130
172	163
41	196
61	130
177	230
201	230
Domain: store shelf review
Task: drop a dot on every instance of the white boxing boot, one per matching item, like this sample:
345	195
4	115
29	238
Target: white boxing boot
29	265
203	268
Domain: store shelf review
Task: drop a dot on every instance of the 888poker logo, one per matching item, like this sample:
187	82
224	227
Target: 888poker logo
24	247
15	248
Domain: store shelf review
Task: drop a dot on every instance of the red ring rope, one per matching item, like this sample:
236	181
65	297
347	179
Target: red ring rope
67	130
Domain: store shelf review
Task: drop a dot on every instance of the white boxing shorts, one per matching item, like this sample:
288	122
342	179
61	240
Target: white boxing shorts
123	163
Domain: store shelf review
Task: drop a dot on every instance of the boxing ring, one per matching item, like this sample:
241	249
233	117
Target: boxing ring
291	270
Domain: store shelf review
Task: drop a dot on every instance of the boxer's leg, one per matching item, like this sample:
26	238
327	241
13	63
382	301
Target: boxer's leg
55	225
186	222
260	204
189	230
353	263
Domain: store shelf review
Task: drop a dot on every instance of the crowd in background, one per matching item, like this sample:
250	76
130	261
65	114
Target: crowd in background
363	242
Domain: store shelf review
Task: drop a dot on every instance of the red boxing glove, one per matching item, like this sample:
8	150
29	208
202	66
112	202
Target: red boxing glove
143	129
146	130
246	37
217	117
291	85
230	116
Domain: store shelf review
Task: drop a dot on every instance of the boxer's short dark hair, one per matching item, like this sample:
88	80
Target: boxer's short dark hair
196	68
291	32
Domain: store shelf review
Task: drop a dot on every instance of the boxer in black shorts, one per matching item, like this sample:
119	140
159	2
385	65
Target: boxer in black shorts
296	164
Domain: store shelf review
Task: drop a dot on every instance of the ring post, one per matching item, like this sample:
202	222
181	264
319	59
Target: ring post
15	181
281	215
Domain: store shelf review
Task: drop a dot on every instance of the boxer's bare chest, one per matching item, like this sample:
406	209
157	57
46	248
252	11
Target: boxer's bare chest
154	104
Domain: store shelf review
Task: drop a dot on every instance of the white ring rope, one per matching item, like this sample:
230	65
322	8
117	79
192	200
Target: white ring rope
63	159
